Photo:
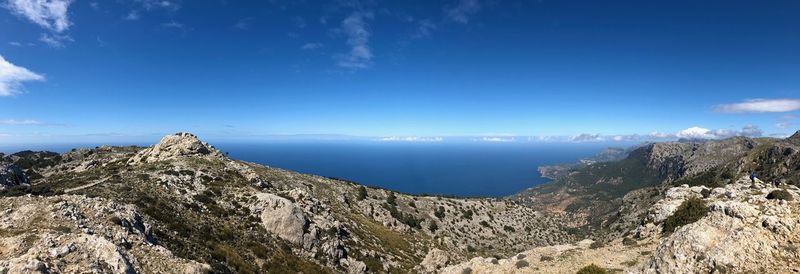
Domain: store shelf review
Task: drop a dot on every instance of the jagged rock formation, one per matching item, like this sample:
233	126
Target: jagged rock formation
180	144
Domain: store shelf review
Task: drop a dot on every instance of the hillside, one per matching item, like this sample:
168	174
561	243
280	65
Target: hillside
184	201
182	206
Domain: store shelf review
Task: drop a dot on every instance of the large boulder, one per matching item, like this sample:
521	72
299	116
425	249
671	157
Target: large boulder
435	260
180	144
283	218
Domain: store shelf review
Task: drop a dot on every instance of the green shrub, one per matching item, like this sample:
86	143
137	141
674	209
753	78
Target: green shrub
484	224
780	195
592	269
467	214
439	212
391	199
509	228
433	226
521	264
688	212
545	258
362	193
628	241
596	245
705	192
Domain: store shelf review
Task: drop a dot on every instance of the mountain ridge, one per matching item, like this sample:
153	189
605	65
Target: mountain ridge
189	203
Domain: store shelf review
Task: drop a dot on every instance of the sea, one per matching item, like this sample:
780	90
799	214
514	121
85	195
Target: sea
471	169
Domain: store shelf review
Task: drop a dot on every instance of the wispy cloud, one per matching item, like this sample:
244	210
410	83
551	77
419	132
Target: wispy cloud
14	43
704	133
174	24
137	6
55	40
49	14
411	139
760	105
159	4
357	31
244	23
498	139
12	77
312	46
462	11
132	15
424	29
14	122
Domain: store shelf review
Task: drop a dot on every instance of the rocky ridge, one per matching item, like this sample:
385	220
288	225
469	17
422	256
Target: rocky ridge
212	213
743	232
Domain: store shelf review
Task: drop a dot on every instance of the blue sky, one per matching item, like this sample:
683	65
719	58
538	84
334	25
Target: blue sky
398	70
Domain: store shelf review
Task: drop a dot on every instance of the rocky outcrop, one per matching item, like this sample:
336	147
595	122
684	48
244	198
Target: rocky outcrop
434	260
283	218
11	175
176	146
76	234
744	232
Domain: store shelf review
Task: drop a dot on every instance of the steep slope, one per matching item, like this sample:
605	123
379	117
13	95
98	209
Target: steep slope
742	229
611	195
207	210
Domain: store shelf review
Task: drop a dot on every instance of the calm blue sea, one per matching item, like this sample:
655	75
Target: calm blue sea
463	169
469	169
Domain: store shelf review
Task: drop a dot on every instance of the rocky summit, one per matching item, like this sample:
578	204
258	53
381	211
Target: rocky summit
181	206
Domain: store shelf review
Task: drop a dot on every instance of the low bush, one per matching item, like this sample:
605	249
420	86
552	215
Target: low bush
439	212
521	264
780	195
592	269
688	212
628	241
596	245
362	193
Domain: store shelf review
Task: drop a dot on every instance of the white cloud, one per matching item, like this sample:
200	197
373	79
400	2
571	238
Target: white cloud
704	133
586	137
760	105
424	29
695	133
411	139
55	40
14	122
174	24
12	76
661	135
14	43
356	29
159	4
49	14
133	15
461	12
498	139
312	46
784	124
